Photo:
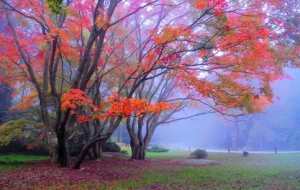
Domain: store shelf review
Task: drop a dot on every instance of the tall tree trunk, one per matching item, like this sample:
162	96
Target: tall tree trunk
139	150
139	147
52	146
134	147
100	155
91	155
63	158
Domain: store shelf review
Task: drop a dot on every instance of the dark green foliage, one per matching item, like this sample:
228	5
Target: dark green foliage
199	154
20	147
111	147
21	129
157	149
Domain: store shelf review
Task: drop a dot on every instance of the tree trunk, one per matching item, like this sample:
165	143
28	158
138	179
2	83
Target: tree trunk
139	150
63	157
96	139
100	156
134	148
97	150
52	145
83	153
91	155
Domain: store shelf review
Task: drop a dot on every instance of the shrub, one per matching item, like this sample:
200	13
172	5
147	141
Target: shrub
124	152
199	154
111	147
157	149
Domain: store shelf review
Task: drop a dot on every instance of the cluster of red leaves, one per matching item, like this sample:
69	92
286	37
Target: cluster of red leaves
74	98
42	174
216	5
115	106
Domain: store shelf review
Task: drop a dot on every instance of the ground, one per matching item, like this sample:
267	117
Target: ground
171	170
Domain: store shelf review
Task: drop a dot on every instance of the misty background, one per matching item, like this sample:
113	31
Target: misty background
277	127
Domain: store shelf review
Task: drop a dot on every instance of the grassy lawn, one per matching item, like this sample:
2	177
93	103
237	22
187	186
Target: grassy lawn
257	171
171	154
14	162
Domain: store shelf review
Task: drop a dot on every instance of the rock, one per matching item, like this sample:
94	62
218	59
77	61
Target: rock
245	153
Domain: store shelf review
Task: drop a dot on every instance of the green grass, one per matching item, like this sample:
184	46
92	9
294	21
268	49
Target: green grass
171	154
14	162
21	158
257	171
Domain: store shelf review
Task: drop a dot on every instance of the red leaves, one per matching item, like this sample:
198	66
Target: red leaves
82	118
44	175
117	106
42	135
74	98
216	5
170	58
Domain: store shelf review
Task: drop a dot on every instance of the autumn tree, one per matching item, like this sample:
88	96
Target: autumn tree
221	84
56	53
214	50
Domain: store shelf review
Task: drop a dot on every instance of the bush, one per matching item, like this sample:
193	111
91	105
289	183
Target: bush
124	152
157	149
18	147
111	147
199	154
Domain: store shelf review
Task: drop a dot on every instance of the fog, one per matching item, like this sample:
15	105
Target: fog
276	127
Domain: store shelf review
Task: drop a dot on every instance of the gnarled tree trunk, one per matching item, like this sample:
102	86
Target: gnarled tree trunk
98	138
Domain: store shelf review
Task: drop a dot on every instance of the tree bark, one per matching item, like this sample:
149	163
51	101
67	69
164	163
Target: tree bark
63	158
52	144
98	138
86	149
139	150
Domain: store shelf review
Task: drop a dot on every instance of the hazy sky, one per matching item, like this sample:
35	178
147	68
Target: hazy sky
209	128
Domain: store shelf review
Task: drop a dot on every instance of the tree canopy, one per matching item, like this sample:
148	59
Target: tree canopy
95	61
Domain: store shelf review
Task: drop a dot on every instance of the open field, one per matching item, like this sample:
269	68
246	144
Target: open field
159	171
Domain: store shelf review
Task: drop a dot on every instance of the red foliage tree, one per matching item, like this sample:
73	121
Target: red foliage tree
216	49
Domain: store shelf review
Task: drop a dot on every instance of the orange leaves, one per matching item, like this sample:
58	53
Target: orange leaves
260	102
170	33
28	101
135	107
102	20
82	118
74	98
115	106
